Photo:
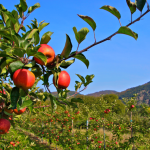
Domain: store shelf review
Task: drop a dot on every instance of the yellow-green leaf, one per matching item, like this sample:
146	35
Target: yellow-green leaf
131	5
89	20
112	10
128	31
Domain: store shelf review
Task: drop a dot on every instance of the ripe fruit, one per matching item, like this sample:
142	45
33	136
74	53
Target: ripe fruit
24	79
48	52
3	92
108	110
132	106
10	117
4	126
20	111
63	80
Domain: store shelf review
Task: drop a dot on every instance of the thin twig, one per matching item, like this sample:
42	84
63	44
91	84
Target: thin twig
76	92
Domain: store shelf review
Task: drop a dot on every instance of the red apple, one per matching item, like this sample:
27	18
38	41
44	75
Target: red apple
20	111
105	112
108	110
63	80
132	106
4	126
3	92
24	78
48	52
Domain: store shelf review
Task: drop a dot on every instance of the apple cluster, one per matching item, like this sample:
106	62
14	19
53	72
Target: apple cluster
106	111
25	79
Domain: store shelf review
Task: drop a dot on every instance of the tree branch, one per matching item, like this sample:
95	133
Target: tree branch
108	38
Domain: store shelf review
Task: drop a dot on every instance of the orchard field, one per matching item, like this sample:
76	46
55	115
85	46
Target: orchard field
70	130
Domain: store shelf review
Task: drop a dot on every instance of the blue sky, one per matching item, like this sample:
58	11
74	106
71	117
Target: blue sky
118	64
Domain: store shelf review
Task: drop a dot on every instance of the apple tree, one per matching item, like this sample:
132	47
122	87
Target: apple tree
16	48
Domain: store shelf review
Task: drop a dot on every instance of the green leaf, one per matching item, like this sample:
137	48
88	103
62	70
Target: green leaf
15	66
81	57
81	78
127	31
88	79
10	60
131	5
81	35
36	38
40	96
37	71
67	49
17	26
11	17
6	61
77	100
23	5
23	28
32	8
66	64
32	51
15	14
19	51
19	8
89	20
46	76
7	87
73	105
23	93
42	26
112	10
46	37
77	85
26	103
30	65
3	54
41	22
15	39
4	16
140	4
41	56
14	96
6	34
32	33
29	27
1	25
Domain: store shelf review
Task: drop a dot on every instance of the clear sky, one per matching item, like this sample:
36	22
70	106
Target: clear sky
118	64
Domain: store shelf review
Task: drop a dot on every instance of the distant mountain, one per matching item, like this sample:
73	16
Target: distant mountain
97	94
143	92
69	93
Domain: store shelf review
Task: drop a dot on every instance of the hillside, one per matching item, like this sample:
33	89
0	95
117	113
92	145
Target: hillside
69	93
96	94
143	92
